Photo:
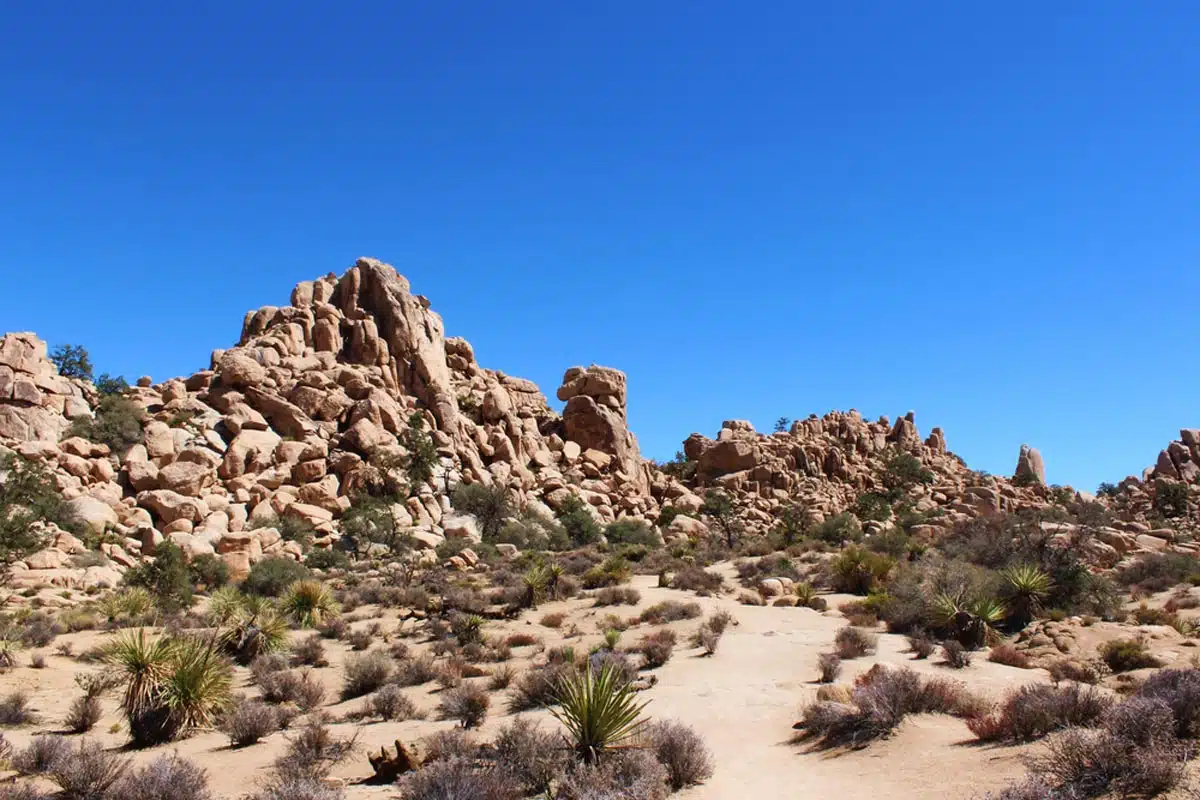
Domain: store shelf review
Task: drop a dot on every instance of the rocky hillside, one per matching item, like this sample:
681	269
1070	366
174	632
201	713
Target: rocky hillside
318	396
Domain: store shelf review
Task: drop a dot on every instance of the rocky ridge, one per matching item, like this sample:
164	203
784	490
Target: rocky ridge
290	420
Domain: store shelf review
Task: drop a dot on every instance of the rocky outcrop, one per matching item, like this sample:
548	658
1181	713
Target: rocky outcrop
1030	467
36	403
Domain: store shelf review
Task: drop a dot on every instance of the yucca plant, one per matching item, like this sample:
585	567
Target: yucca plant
1025	586
805	592
858	571
554	574
224	605
534	580
600	711
968	621
467	628
253	633
172	686
309	603
9	648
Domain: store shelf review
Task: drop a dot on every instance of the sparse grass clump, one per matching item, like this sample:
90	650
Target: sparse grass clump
15	710
852	642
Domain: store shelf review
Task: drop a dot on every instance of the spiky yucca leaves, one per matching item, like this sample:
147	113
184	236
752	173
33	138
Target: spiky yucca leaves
144	663
172	686
599	709
129	603
554	575
1025	586
534	581
309	603
9	648
257	630
224	605
968	620
198	685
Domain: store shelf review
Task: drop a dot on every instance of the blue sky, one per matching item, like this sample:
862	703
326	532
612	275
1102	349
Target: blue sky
986	213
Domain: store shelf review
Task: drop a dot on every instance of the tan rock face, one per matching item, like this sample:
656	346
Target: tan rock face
1030	466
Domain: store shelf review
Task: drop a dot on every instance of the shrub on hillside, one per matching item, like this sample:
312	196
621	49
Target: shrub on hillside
117	423
272	576
696	579
365	673
852	642
1033	711
1123	655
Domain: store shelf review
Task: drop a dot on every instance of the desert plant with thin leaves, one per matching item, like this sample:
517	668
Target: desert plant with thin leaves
1025	586
254	632
309	603
600	711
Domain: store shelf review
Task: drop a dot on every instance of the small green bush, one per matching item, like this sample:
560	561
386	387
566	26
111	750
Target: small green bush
1123	655
272	576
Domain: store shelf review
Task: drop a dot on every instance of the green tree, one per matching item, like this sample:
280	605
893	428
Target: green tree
1170	498
488	504
902	471
782	424
72	361
422	452
28	495
792	524
117	423
581	527
108	384
370	520
720	508
166	577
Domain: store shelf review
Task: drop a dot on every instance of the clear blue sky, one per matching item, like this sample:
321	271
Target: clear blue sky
986	213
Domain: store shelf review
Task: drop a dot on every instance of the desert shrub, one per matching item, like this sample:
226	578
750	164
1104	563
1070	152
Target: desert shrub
1010	656
314	750
415	671
208	572
501	677
630	531
1082	762
1180	690
359	640
166	577
391	704
830	667
365	673
669	611
657	647
167	777
921	645
618	595
310	693
954	655
880	700
468	704
613	571
1033	711
117	423
554	620
310	651
271	577
521	640
681	750
707	638
39	629
1123	655
581	527
299	787
87	772
488	504
85	711
15	710
40	754
857	571
248	722
837	530
467	628
1157	572
1142	721
626	775
852	642
538	688
450	744
333	628
534	757
696	579
1090	672
461	779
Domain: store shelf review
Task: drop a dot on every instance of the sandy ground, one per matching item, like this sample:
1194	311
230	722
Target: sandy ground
743	700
